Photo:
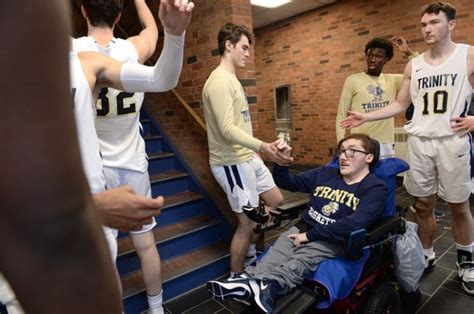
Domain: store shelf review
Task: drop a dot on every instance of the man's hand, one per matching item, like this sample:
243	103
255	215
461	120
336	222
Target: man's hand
284	149
462	125
122	209
298	238
353	120
270	151
402	45
175	15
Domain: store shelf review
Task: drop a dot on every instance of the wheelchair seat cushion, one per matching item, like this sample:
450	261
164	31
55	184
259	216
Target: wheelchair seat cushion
339	276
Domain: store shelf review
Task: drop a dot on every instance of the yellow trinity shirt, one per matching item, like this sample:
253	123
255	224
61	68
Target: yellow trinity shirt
364	93
229	126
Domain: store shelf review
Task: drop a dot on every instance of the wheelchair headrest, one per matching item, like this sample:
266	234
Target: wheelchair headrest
376	152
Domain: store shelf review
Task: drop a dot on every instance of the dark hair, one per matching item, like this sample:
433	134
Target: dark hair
233	33
436	7
369	144
102	12
381	43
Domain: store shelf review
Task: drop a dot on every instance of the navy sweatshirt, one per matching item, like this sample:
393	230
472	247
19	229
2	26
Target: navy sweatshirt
335	209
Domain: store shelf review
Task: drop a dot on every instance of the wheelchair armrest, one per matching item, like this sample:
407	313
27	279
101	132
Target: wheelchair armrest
355	242
392	225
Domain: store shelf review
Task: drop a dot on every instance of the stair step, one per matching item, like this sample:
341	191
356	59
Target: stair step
181	198
169	232
152	137
167	176
174	268
153	143
160	155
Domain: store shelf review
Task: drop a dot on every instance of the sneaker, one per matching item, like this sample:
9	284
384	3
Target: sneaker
466	273
237	288
264	293
430	263
237	276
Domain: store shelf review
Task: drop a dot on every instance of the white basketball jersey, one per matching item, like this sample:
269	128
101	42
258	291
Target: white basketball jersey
118	112
439	93
84	112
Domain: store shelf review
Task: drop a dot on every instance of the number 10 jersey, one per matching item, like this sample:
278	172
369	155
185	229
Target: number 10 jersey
439	93
118	112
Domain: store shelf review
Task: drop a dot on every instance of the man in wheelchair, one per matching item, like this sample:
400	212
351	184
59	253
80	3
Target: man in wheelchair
341	201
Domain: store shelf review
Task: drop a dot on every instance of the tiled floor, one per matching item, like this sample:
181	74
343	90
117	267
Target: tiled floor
441	289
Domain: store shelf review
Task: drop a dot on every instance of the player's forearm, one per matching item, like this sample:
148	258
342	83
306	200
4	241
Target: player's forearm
235	135
148	23
391	110
163	76
145	16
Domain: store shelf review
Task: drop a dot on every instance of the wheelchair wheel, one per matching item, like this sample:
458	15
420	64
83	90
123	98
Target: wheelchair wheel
383	299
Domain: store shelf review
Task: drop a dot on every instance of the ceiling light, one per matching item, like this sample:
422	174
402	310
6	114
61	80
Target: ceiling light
269	3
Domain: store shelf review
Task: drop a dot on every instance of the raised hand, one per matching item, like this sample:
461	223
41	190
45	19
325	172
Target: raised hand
175	15
353	120
402	45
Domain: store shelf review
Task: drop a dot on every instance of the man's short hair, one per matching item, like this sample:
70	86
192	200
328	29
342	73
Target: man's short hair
381	43
102	12
436	7
368	143
232	32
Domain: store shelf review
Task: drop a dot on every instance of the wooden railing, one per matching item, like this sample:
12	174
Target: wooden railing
193	113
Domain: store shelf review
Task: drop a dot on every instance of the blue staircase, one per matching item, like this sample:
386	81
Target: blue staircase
192	236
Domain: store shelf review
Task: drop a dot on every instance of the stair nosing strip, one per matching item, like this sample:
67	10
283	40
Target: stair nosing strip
212	223
168	206
180	275
164	156
152	137
176	177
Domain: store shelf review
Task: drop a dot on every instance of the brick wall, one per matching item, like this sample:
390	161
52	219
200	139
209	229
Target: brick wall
314	52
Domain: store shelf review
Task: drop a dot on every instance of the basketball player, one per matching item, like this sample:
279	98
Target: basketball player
232	147
117	122
54	253
439	83
372	90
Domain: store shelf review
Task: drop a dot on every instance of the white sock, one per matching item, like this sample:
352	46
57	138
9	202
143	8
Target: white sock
252	250
155	303
467	248
428	252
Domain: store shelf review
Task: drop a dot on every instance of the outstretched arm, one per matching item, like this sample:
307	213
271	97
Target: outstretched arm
49	230
145	42
102	71
402	102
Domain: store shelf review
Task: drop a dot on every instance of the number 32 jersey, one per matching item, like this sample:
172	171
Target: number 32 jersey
118	112
439	93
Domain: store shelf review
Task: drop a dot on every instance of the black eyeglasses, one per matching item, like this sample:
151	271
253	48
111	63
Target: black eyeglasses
350	152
